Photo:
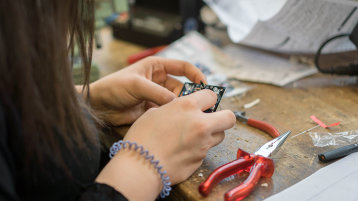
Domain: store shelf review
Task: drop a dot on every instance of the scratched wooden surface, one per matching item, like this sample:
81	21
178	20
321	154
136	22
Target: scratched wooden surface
330	98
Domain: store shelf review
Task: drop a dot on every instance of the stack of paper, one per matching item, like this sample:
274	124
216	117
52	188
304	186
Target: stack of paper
288	25
337	181
235	62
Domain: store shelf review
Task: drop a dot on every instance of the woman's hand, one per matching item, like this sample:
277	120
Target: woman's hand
179	134
125	95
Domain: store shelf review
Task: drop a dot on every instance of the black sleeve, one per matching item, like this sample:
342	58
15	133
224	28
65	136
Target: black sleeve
7	167
9	124
103	192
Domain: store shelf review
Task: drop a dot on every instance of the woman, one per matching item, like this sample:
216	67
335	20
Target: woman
49	145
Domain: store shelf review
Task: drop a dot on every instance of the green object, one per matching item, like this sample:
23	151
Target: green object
106	8
77	74
120	6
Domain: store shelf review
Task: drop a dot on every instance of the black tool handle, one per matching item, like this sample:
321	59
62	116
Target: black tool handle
337	153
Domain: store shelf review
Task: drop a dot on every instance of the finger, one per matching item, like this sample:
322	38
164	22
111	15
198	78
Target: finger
150	104
150	91
173	85
217	138
204	99
180	68
221	120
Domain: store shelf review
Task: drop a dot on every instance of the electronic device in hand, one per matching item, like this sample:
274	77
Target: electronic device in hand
190	88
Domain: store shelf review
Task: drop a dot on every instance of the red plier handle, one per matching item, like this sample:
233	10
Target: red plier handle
257	166
145	53
268	128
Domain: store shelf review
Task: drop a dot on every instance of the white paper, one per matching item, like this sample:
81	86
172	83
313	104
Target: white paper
257	66
235	62
196	49
337	181
295	26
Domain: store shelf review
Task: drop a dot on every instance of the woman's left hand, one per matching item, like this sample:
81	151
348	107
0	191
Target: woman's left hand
120	98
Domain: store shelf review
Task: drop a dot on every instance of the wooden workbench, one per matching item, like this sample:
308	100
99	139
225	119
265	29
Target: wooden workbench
288	109
330	98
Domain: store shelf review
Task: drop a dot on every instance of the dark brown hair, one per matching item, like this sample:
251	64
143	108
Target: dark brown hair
37	39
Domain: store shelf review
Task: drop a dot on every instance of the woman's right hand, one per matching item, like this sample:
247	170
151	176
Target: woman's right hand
179	134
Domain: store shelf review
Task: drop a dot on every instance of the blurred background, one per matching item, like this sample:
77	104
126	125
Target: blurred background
127	27
128	30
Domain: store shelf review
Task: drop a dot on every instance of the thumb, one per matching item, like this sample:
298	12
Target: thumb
153	92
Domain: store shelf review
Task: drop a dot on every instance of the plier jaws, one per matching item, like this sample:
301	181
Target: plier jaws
266	127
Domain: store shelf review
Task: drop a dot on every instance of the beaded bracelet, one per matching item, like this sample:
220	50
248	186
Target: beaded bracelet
127	144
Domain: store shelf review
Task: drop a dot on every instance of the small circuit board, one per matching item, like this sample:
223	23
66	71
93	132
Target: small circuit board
190	88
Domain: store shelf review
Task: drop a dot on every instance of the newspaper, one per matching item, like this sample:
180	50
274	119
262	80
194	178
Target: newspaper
235	62
293	26
211	60
257	66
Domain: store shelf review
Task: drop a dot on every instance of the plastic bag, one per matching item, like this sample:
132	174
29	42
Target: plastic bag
340	138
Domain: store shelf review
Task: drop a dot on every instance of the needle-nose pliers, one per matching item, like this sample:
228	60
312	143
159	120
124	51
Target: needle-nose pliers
258	165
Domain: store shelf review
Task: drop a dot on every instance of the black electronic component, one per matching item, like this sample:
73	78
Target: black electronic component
338	153
189	88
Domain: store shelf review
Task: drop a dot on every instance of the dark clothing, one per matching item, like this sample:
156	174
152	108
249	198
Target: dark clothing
48	181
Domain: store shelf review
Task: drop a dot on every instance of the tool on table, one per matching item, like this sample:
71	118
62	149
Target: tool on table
145	53
258	165
338	153
257	124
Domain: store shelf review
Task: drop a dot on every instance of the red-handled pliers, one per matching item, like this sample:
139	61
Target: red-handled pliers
258	165
257	124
